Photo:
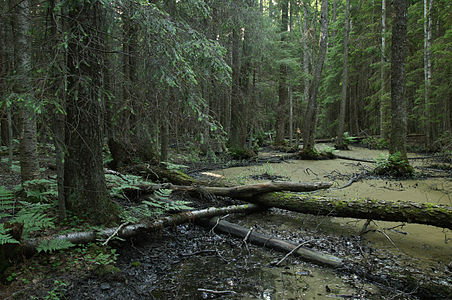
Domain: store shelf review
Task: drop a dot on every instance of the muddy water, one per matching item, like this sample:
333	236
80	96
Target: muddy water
428	243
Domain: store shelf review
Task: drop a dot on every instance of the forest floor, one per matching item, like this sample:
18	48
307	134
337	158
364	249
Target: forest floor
189	261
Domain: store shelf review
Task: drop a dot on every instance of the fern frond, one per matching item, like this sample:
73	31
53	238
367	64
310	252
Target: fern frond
5	237
53	245
34	217
5	194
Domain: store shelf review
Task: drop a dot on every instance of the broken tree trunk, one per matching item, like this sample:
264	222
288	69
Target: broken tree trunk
243	191
30	246
271	242
396	211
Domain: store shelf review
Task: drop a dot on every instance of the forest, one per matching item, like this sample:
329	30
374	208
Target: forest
131	129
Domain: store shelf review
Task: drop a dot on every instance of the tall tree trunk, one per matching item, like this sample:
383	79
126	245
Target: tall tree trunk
238	138
84	180
289	91
58	119
3	72
340	131
311	111
281	116
164	129
28	142
428	115
384	103
304	41
398	80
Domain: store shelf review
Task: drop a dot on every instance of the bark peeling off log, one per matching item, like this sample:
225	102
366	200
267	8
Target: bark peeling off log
30	245
273	243
399	211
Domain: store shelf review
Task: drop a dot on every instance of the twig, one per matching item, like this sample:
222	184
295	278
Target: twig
218	221
292	251
115	233
364	229
246	238
355	178
309	169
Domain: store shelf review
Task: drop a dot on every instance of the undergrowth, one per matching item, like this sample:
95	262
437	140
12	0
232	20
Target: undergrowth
33	207
393	165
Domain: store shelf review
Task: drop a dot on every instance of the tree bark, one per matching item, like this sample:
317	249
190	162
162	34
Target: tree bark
340	131
428	115
237	139
384	105
399	211
281	116
398	80
59	118
310	119
29	166
85	189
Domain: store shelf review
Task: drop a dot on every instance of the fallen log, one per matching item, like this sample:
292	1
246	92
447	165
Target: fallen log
243	191
269	195
30	245
359	208
271	242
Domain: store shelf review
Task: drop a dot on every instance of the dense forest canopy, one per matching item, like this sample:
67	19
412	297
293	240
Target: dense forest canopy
144	77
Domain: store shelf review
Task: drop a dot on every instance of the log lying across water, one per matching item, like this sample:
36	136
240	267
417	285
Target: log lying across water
273	243
270	195
359	208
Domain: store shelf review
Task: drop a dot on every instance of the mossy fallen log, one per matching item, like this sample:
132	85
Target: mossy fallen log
359	208
272	242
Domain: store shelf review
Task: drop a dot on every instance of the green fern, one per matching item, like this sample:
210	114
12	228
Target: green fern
155	205
54	245
32	215
5	237
7	205
118	184
40	190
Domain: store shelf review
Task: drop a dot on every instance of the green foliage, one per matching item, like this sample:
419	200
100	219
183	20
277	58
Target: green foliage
57	292
393	165
326	152
5	237
239	154
40	190
33	216
348	139
375	143
118	184
154	206
53	245
15	164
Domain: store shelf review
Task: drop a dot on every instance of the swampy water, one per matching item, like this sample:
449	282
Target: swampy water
190	262
427	243
421	245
